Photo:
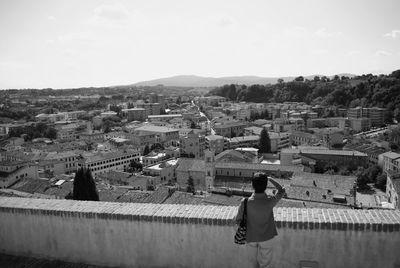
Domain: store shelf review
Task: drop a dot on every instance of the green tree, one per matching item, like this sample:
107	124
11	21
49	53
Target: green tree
146	150
190	187
107	129
135	166
84	186
192	124
156	147
51	133
265	142
381	182
362	180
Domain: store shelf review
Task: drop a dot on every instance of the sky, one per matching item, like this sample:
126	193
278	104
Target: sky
80	43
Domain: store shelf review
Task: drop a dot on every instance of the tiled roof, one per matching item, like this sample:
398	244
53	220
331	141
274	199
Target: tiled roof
223	200
151	128
245	138
229	124
134	196
32	185
255	130
61	191
184	198
214	137
234	155
111	195
59	155
303	134
115	175
257	167
391	155
15	193
158	196
92	157
261	122
191	164
323	152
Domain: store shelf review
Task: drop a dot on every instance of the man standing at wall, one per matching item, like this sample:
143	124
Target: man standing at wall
261	227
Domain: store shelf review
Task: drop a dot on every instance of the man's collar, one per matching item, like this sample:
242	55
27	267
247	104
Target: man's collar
259	195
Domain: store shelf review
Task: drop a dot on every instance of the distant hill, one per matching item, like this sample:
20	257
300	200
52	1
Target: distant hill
200	81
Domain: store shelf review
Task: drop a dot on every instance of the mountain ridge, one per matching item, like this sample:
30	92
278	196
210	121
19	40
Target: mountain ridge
203	81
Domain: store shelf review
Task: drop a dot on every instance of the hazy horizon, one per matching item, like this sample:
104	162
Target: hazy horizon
68	44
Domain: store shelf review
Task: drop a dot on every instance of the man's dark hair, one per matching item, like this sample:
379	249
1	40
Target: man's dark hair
259	182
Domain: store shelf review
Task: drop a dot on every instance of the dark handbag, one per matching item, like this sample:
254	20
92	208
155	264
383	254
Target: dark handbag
240	235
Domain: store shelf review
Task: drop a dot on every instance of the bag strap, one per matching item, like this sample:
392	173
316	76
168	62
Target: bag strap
244	218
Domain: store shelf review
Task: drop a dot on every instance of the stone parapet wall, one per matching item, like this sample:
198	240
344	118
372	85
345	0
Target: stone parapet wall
294	218
162	235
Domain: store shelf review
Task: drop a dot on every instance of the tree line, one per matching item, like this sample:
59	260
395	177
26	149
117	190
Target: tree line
39	130
343	92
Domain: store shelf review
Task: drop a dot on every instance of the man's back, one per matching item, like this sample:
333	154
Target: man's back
260	217
260	221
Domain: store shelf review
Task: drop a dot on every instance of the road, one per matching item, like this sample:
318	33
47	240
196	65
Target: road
204	115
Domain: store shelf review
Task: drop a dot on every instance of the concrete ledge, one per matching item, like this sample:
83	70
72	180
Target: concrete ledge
154	235
293	218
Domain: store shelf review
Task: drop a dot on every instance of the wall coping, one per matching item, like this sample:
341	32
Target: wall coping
293	218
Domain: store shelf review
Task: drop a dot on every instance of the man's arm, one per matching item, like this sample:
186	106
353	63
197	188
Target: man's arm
281	190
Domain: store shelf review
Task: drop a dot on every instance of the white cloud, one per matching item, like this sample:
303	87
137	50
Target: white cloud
14	65
50	17
319	51
296	32
382	53
226	21
112	12
323	33
85	37
109	17
50	41
393	34
353	52
69	52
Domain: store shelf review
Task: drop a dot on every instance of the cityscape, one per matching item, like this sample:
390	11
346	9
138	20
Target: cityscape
160	167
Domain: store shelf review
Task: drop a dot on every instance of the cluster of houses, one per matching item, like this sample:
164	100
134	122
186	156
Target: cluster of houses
205	141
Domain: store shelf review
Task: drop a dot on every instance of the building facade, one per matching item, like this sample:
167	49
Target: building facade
192	145
100	163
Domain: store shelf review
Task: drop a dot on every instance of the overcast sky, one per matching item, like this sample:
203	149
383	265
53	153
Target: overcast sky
74	43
